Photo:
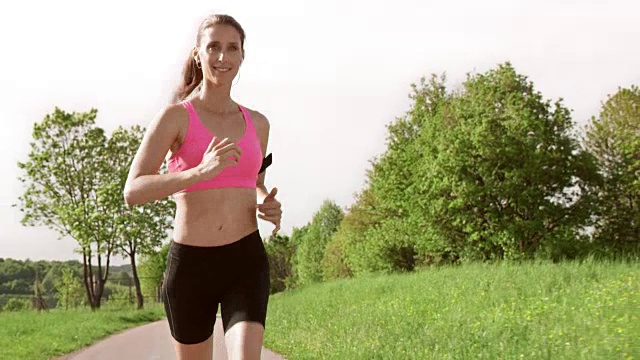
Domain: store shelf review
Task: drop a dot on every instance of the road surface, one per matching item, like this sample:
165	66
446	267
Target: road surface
150	342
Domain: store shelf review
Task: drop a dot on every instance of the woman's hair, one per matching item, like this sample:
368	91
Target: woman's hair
191	74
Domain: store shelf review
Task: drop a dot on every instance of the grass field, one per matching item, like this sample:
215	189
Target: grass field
31	335
570	310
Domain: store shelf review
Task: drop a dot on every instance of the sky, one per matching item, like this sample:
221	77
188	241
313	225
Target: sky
329	75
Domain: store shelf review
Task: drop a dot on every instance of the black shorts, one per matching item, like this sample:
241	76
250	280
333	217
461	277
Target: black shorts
198	279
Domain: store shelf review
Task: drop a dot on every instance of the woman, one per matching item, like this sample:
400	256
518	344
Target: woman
216	175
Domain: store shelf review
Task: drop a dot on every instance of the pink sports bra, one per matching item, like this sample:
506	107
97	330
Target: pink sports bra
198	137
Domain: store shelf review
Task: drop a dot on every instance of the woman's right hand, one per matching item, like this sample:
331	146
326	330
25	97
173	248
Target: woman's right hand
218	156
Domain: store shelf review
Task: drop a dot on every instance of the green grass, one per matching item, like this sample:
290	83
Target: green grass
32	335
572	310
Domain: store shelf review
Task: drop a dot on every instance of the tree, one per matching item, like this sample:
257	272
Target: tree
152	269
501	174
311	250
66	164
400	235
488	171
68	287
141	228
298	236
280	251
614	139
354	256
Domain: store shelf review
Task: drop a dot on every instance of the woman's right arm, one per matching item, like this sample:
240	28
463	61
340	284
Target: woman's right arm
144	184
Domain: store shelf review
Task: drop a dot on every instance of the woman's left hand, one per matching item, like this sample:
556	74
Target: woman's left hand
270	210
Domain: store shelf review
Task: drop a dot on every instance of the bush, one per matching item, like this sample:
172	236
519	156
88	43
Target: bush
280	250
17	304
311	250
333	263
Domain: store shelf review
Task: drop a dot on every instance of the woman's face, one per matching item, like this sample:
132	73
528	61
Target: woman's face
220	53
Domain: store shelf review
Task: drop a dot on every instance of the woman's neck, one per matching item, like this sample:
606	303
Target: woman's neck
217	99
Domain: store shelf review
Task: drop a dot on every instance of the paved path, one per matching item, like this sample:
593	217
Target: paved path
150	342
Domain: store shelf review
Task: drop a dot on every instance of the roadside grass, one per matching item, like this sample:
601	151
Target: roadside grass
32	335
569	310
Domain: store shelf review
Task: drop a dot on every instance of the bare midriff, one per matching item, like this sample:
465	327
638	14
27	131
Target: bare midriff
214	217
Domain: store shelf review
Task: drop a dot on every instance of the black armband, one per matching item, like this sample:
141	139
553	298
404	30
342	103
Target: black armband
265	163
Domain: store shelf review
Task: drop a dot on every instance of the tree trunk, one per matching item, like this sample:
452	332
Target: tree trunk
136	280
86	278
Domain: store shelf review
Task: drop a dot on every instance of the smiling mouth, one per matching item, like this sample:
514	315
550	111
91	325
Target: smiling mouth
221	68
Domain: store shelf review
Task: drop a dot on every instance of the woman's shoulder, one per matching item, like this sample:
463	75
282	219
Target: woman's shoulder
259	119
172	115
174	110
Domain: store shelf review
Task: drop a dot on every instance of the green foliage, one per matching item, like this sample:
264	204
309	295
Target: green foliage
614	139
280	251
501	172
298	235
151	270
60	172
333	262
385	225
490	171
75	179
120	296
312	246
61	286
358	254
142	228
17	304
69	289
121	278
47	284
66	166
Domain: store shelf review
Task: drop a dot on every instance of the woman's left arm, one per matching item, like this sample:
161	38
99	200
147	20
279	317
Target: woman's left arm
262	126
269	207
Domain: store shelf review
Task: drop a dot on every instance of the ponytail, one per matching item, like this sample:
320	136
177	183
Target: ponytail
191	79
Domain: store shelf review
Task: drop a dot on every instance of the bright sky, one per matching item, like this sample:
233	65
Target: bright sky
328	74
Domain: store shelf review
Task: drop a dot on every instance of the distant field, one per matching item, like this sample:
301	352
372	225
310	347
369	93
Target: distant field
31	335
504	311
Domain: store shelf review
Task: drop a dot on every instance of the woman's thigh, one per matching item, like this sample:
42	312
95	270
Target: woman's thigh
190	303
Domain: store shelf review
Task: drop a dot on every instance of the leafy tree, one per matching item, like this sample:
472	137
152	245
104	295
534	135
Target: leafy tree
69	291
354	256
66	164
501	174
614	139
333	263
383	229
298	235
142	228
401	231
311	250
487	171
280	251
152	269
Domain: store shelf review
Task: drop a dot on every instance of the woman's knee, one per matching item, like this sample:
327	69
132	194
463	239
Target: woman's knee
244	340
198	351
